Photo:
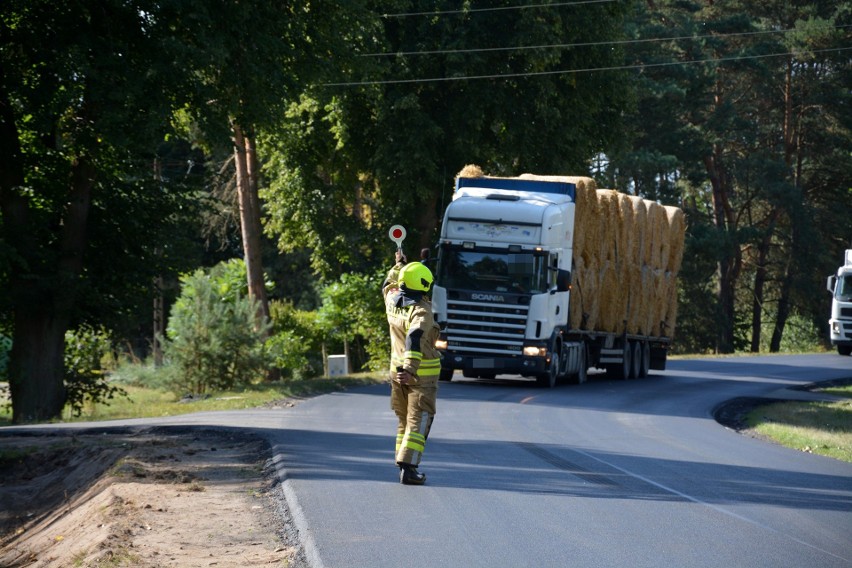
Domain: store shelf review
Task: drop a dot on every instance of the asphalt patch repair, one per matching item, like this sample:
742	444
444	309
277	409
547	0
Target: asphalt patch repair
143	498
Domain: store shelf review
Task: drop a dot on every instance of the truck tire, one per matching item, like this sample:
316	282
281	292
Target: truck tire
844	349
621	370
548	378
446	375
583	373
636	356
646	360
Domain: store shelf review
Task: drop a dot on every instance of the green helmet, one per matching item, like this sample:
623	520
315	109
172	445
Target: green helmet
415	276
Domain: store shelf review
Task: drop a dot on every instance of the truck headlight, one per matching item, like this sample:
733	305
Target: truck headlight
535	351
441	344
835	327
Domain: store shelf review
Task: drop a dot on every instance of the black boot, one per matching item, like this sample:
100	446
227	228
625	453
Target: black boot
408	475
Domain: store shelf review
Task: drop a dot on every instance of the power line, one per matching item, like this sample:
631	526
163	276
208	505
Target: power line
570	71
502	8
584	44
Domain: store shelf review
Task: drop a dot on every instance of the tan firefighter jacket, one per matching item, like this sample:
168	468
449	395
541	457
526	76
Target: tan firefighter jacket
413	332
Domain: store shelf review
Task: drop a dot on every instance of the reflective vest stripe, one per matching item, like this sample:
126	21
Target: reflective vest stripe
414	441
413	355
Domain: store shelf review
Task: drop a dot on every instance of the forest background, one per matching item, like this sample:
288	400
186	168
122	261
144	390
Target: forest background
146	145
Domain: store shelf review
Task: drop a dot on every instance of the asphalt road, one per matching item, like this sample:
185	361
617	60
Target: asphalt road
609	473
604	474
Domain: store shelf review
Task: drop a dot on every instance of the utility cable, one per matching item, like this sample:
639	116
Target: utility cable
584	44
497	9
571	71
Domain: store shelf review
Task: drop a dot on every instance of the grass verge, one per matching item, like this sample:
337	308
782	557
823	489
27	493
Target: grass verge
144	402
823	428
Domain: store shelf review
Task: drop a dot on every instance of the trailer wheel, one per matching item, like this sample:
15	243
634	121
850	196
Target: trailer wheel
646	360
636	360
621	370
583	372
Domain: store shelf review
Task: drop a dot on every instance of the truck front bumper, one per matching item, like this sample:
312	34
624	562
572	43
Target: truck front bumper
489	365
840	332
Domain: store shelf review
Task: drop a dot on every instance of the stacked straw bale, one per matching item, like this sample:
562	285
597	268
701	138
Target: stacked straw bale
626	257
627	253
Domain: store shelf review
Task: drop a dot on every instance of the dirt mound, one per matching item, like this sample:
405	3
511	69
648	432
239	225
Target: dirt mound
152	497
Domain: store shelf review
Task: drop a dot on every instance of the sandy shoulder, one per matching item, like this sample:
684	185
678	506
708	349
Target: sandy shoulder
147	498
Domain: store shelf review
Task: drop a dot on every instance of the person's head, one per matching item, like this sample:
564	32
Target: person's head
416	277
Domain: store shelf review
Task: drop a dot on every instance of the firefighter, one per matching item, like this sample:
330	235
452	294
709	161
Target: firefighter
415	363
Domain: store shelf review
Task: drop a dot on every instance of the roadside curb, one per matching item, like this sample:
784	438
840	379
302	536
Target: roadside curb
731	413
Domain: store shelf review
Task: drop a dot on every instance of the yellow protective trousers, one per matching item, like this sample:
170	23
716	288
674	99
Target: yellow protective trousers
414	407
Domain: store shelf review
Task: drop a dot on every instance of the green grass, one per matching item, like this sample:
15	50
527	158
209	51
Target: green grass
823	428
148	403
845	391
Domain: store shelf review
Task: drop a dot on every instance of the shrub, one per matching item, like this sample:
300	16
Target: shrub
88	352
353	310
212	336
295	345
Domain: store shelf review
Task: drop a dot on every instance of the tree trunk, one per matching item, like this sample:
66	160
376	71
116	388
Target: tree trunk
783	309
245	156
159	322
246	165
729	264
36	365
760	282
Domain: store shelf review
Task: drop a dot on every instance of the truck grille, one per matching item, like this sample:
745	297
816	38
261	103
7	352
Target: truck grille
486	328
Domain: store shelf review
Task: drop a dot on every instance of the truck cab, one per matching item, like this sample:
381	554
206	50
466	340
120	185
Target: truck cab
840	323
501	292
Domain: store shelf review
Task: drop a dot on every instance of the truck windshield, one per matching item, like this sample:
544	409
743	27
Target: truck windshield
844	288
493	271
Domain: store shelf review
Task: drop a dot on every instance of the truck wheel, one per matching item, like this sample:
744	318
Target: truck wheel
844	349
446	375
583	373
636	356
646	359
621	370
548	378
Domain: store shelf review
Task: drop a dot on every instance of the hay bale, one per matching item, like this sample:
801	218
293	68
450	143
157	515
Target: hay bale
608	212
585	215
627	229
621	316
661	301
592	294
671	314
635	298
677	235
640	227
657	232
608	316
578	286
646	309
470	171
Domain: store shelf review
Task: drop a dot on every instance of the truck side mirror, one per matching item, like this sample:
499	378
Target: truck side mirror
830	283
563	280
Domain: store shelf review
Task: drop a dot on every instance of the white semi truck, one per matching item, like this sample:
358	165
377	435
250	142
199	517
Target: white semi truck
840	324
506	276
